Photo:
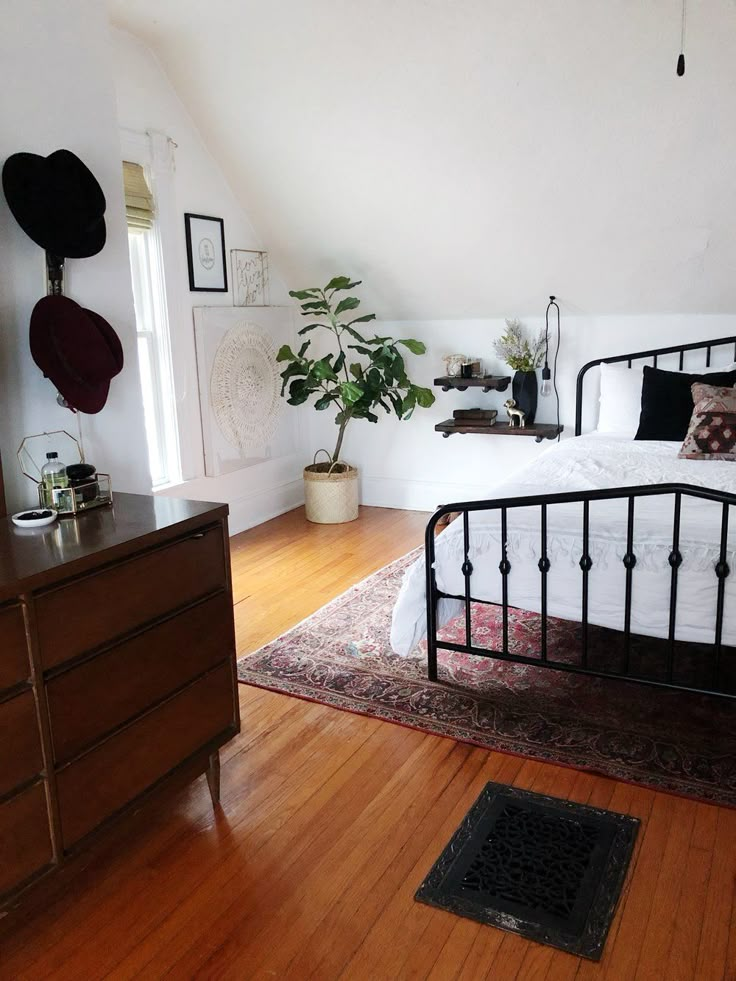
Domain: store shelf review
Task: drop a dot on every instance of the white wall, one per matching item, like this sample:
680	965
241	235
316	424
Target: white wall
146	102
59	93
408	465
464	157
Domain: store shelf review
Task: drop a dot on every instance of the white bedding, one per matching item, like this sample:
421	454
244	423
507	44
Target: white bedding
587	462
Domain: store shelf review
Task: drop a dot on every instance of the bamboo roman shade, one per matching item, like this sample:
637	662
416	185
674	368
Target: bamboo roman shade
139	206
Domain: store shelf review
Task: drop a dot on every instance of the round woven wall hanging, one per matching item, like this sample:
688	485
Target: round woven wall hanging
245	387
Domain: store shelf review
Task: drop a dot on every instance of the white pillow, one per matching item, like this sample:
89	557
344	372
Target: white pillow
710	371
620	403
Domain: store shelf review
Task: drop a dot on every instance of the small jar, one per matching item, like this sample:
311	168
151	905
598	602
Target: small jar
83	479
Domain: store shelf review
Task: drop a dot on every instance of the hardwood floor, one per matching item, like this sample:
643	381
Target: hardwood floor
328	823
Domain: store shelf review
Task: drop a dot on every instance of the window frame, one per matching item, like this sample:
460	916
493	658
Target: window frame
154	151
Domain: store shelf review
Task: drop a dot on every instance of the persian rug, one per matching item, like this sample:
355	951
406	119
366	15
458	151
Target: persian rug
674	741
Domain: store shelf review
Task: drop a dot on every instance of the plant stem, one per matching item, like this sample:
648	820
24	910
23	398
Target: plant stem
343	424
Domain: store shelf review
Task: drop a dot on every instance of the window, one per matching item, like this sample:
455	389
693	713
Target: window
152	327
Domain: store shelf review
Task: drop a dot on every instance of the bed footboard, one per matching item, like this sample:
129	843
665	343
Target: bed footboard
713	683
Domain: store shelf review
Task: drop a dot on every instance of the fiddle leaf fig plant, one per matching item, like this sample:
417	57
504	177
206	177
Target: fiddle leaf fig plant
360	375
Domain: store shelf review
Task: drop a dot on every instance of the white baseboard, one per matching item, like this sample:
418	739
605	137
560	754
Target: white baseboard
262	505
246	510
416	495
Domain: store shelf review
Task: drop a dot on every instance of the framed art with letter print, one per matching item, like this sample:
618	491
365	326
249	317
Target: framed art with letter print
206	254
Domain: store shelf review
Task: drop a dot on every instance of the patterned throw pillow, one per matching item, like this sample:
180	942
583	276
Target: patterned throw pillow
711	434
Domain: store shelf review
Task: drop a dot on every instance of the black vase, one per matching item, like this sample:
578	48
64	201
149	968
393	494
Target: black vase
524	392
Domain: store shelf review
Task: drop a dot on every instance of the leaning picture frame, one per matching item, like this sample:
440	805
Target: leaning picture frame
206	253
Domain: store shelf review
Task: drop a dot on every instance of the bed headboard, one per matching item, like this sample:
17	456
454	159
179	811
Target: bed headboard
653	356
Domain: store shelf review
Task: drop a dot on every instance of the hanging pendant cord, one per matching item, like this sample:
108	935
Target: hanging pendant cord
681	58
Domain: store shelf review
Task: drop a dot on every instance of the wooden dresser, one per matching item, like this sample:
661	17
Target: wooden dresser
117	670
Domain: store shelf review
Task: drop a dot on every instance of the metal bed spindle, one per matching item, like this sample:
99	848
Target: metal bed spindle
505	569
467	573
586	564
722	570
675	561
629	563
544	567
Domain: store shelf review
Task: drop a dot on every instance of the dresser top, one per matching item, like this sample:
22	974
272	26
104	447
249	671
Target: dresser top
34	557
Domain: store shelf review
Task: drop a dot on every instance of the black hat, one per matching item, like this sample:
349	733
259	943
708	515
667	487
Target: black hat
57	201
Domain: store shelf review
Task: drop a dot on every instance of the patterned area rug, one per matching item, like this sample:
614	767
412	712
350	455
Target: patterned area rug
341	656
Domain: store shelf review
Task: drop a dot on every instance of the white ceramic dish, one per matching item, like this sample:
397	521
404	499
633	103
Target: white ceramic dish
34	522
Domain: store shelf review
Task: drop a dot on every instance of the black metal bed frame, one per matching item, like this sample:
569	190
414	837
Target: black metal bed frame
544	501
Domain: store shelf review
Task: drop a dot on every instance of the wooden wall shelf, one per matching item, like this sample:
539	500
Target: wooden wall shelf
489	383
540	431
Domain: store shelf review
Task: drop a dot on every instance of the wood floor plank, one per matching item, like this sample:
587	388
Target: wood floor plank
397	935
625	799
688	925
719	902
298	817
330	821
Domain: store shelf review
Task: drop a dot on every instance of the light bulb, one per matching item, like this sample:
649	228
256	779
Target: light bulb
546	389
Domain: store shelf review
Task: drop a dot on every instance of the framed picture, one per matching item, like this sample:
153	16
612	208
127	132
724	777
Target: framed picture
250	278
206	254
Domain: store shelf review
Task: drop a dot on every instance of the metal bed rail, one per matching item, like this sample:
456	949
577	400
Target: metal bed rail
653	355
675	559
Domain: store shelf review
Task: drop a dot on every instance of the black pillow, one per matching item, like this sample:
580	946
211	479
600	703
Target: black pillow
667	402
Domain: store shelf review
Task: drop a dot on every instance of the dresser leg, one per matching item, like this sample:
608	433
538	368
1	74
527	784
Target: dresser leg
213	777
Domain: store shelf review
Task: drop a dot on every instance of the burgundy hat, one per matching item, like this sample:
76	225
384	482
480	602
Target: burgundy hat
76	349
57	201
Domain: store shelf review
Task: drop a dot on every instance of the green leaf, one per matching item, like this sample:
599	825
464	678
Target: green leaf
364	319
342	283
349	303
409	402
351	392
285	353
356	370
424	396
303	349
305	330
319	305
396	401
303	294
360	350
299	391
355	334
416	347
295	368
323	370
324	401
340	361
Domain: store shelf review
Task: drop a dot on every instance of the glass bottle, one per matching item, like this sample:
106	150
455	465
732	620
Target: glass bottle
53	479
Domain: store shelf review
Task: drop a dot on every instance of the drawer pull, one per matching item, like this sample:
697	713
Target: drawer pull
199	534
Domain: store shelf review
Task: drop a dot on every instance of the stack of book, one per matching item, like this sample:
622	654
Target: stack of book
475	417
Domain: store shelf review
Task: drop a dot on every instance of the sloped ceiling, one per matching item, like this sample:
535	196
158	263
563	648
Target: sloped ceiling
467	157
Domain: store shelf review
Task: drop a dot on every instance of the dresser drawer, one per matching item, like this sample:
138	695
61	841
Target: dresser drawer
14	666
99	608
25	842
20	744
104	780
98	695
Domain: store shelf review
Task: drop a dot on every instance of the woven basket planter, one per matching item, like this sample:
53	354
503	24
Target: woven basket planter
331	493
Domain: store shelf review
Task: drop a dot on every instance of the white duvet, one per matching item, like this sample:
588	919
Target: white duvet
586	463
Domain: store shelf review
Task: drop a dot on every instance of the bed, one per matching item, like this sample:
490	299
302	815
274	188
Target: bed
603	530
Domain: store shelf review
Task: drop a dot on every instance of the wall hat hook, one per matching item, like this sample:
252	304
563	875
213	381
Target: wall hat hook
54	274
